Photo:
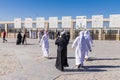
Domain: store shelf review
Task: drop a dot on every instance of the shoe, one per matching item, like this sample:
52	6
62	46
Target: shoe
62	69
79	66
66	65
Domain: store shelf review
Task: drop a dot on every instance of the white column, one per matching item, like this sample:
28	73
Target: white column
72	32
100	34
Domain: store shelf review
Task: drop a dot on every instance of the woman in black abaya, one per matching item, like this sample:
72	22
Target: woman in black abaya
61	60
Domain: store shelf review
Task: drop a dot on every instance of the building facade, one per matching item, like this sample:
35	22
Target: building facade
99	27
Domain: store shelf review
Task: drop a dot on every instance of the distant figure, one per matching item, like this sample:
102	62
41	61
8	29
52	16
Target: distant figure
24	41
61	60
4	35
19	39
30	33
45	44
34	35
39	36
89	40
57	34
81	46
52	35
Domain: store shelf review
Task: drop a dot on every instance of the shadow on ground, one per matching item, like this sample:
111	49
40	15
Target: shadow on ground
67	58
97	68
30	44
93	59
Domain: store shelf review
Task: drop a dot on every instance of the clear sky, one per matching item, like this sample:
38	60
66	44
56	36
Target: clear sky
10	9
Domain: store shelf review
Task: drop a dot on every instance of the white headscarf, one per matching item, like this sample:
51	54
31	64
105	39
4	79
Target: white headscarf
81	33
63	32
87	34
80	41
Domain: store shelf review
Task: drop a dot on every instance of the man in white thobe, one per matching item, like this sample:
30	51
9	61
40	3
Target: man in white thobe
30	33
45	44
81	46
90	42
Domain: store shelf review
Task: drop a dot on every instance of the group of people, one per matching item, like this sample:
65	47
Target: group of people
82	45
32	34
61	42
44	42
21	39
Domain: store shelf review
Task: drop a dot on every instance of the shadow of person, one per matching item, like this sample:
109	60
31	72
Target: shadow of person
84	70
93	59
102	66
97	68
51	57
55	57
30	44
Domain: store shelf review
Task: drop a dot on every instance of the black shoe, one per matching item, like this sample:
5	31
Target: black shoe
66	65
79	66
62	69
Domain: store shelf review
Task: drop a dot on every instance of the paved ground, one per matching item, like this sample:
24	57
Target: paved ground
25	62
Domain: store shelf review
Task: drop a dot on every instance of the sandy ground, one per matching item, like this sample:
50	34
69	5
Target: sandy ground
8	62
25	62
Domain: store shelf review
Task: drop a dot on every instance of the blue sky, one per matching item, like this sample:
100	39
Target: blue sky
10	9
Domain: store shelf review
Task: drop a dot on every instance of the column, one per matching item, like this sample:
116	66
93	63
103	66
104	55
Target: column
94	31
46	26
103	34
100	34
72	32
117	35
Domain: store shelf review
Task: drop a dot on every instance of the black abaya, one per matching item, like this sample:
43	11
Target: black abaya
61	60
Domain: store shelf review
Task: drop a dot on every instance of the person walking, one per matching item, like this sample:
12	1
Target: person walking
45	44
80	46
19	38
24	41
4	36
39	36
61	60
89	40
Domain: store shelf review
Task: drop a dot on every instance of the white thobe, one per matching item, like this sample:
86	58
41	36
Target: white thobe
81	46
39	36
89	41
30	34
45	45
